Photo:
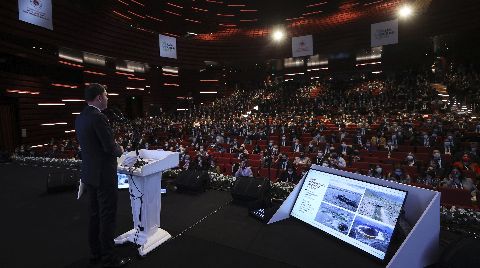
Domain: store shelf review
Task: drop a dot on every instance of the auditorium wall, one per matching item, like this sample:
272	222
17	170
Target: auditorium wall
97	30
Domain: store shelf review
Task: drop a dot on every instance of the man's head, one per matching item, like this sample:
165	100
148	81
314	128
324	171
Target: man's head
96	95
290	170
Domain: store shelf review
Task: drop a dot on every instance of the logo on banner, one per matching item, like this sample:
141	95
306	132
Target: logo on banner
35	8
302	46
384	33
36	4
37	12
168	47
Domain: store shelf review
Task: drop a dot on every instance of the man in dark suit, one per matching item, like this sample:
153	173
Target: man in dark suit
99	174
289	175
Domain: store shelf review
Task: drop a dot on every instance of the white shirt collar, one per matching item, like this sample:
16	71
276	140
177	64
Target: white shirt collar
95	107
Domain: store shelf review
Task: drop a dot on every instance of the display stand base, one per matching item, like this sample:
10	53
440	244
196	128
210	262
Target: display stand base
146	244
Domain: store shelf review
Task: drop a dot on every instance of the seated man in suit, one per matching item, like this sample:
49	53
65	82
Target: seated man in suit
302	160
282	162
244	170
289	175
344	149
297	147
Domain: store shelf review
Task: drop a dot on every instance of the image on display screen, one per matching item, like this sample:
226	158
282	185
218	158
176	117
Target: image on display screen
360	213
122	181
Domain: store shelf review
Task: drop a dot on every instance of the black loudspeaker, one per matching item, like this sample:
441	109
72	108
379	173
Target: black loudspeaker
254	191
62	181
461	253
192	180
5	157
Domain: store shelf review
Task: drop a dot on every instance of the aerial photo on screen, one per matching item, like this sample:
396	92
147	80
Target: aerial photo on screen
334	217
381	206
122	181
371	233
344	195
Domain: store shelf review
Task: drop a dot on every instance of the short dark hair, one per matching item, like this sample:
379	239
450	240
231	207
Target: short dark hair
93	90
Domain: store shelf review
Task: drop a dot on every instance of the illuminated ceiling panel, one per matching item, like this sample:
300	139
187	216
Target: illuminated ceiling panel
215	19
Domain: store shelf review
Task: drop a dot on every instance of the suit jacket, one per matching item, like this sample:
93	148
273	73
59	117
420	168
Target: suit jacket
99	150
284	176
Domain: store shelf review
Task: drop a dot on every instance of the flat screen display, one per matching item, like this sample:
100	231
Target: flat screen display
359	213
122	181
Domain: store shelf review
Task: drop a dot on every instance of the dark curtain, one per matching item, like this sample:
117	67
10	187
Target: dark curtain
7	128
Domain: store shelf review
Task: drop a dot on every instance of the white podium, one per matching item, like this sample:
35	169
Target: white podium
145	197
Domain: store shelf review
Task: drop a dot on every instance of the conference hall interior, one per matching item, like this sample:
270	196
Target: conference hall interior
225	122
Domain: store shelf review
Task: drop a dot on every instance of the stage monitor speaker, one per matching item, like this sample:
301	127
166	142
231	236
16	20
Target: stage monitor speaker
192	180
254	191
5	157
62	181
461	253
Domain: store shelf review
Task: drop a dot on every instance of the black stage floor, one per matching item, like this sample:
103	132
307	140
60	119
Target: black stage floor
50	230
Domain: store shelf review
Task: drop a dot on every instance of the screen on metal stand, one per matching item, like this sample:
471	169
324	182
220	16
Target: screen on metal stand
359	213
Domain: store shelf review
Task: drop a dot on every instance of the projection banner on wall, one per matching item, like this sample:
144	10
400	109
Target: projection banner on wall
302	46
384	33
37	12
168	46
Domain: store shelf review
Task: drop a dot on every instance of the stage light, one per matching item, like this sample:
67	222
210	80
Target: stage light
405	11
278	35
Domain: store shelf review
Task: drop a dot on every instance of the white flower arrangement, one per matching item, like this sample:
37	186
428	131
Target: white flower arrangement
461	220
48	162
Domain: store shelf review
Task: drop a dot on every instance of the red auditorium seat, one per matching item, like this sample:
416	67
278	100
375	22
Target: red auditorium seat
410	170
227	169
255	171
223	160
423	150
368	159
215	154
420	185
264	173
255	163
306	139
296	154
228	155
262	142
405	148
380	154
423	157
254	156
290	155
456	197
361	165
399	155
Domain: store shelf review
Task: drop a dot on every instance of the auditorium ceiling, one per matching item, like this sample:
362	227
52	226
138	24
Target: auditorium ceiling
225	19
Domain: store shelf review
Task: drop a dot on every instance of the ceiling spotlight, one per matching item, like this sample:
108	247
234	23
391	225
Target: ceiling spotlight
405	11
278	35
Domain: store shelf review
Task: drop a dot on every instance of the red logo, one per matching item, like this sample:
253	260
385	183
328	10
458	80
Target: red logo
36	4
